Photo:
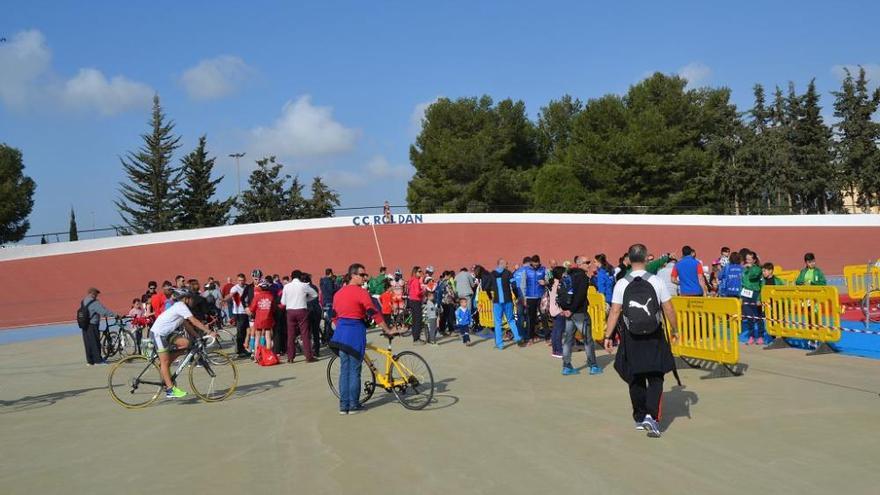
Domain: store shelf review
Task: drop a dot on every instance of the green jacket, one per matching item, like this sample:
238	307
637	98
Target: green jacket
776	281
653	267
752	279
376	285
818	277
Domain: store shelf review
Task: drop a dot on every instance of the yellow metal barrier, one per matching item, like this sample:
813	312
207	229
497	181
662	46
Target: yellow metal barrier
487	312
855	279
596	309
708	328
802	312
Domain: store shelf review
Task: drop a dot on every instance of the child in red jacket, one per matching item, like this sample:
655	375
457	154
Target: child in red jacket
262	309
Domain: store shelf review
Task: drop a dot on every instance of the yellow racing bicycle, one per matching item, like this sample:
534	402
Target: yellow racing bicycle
406	375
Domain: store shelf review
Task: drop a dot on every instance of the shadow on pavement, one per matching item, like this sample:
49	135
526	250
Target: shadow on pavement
37	401
677	404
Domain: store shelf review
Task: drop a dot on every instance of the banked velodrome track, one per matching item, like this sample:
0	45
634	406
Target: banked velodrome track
43	284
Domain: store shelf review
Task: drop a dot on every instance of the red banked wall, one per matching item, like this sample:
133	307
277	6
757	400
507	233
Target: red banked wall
47	289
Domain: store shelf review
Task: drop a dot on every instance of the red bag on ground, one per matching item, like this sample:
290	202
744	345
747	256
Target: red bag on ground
265	357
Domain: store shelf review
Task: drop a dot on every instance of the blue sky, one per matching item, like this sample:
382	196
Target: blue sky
335	88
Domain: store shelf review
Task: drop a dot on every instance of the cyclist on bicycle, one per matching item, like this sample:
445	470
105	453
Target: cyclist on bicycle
170	341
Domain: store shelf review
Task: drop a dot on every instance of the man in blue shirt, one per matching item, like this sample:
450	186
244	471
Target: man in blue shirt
688	274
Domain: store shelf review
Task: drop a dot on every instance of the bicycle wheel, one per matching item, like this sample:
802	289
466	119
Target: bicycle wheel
109	344
226	339
213	378
418	391
368	379
129	344
135	382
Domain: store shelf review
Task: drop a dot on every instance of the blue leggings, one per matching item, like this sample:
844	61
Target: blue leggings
505	310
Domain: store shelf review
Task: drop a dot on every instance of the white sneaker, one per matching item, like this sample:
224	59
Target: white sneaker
651	427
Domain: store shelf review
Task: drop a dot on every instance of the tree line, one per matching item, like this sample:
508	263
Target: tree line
160	196
659	148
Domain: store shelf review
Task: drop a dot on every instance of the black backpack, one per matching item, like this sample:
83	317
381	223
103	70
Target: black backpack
565	293
642	313
83	318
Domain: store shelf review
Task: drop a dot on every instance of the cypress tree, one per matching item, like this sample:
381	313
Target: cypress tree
296	205
818	182
323	202
74	234
149	201
198	210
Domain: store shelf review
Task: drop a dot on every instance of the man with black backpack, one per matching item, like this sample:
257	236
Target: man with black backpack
644	355
88	317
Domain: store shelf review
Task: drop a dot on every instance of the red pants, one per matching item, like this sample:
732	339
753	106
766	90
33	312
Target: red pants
298	324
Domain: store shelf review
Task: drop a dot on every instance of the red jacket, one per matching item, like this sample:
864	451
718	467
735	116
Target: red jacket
263	308
414	286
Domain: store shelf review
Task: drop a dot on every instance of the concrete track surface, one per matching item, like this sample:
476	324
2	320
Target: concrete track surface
503	422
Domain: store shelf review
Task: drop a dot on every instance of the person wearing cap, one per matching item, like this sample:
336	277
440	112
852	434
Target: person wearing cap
90	335
262	310
170	342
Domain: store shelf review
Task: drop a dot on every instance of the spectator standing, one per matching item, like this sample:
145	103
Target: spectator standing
463	320
644	355
810	274
431	313
314	308
464	286
556	284
416	293
93	310
534	275
499	287
295	299
236	297
753	323
730	284
352	305
224	291
604	278
688	274
724	258
574	307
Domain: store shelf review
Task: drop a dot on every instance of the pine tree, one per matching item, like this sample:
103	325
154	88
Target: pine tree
197	210
818	182
856	148
323	202
266	199
17	191
149	200
74	234
296	205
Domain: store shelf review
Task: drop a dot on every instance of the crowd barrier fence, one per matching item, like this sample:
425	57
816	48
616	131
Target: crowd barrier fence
858	280
802	312
708	329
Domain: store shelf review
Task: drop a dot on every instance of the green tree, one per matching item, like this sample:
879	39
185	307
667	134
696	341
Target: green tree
149	201
266	199
473	155
555	123
197	207
74	233
817	184
296	205
858	136
557	189
17	191
323	202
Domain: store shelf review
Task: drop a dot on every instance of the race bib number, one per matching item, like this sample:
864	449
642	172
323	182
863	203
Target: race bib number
746	293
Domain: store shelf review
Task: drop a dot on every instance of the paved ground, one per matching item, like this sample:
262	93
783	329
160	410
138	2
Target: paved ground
503	422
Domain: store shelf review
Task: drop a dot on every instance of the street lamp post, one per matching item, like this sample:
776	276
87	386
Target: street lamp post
237	156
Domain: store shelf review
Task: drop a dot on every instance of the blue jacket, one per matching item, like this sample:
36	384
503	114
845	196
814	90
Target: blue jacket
530	277
462	317
350	336
604	283
328	290
518	282
688	281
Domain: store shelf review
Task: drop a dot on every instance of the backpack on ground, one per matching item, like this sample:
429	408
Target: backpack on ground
83	317
642	313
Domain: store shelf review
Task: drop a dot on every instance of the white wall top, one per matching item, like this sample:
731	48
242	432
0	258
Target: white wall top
366	221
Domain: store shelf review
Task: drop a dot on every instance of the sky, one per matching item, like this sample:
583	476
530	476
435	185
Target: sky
337	89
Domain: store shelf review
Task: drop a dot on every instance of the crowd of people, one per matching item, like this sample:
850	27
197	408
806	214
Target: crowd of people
283	313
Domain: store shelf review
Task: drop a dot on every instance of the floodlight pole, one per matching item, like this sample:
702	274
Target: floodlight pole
237	156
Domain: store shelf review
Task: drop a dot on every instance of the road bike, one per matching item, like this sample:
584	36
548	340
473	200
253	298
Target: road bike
406	375
115	339
135	381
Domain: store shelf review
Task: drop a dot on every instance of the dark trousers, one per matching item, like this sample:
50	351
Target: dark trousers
315	330
415	309
556	336
532	312
242	323
645	392
280	337
91	343
298	324
447	318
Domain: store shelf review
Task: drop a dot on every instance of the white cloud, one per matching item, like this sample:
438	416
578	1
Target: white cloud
418	113
303	130
90	89
26	79
379	168
696	74
23	59
343	178
872	72
215	77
